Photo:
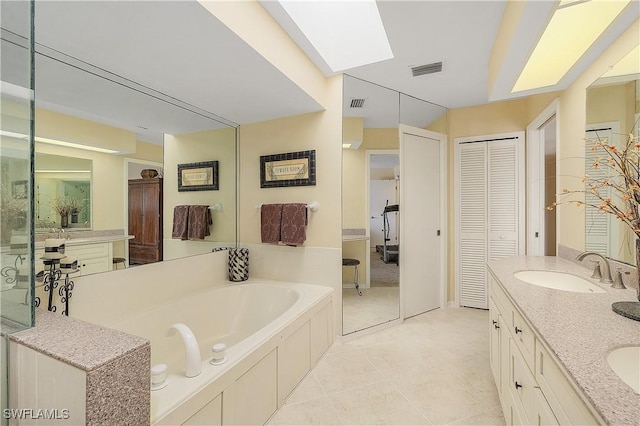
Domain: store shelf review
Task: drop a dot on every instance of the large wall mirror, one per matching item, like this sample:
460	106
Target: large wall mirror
370	175
96	131
371	205
612	111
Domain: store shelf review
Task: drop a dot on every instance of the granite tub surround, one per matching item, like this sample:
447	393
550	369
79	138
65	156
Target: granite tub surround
580	329
104	373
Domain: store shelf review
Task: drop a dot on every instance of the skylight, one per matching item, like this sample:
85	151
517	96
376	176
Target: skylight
574	27
346	34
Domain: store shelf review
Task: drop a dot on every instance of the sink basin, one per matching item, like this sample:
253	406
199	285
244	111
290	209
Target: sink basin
558	281
625	362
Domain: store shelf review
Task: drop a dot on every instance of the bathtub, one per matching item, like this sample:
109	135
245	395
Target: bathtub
274	333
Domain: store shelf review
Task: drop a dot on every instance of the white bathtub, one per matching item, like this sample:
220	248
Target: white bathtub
264	324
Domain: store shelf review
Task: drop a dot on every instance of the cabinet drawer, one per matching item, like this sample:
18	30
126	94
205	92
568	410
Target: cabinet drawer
502	301
563	399
88	251
524	338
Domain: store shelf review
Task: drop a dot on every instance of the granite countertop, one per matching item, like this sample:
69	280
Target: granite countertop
84	345
89	240
354	234
581	329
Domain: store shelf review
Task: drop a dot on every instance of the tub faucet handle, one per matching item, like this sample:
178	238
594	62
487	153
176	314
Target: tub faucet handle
618	282
219	354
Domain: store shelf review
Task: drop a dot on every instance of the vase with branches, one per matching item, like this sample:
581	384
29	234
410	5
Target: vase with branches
61	206
613	187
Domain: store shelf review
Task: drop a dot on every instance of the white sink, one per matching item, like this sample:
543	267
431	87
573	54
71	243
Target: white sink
558	281
625	362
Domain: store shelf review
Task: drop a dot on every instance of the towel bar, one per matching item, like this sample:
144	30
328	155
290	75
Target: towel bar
313	206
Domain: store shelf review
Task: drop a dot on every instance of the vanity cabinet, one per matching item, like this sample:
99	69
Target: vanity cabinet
92	258
533	387
145	220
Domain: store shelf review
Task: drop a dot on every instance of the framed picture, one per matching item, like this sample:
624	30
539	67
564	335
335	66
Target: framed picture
290	169
19	188
198	176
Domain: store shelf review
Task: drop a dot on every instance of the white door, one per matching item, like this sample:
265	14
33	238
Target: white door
421	226
381	192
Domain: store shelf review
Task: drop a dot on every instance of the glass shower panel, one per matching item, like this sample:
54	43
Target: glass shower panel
16	179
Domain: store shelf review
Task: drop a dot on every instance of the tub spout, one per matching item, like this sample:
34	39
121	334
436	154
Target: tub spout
192	350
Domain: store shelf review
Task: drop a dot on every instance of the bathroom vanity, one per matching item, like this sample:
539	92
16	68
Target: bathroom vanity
94	254
549	347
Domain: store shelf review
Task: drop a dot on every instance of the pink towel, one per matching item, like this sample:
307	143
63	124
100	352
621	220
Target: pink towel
270	220
294	220
180	220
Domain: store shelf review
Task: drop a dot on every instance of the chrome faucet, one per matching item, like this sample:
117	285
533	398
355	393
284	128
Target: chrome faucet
606	269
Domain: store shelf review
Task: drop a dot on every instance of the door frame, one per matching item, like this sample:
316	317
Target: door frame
444	177
127	161
534	176
367	200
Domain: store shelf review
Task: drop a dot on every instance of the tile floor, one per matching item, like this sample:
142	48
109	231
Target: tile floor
431	370
377	305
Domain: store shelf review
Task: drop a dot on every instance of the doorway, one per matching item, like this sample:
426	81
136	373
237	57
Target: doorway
542	140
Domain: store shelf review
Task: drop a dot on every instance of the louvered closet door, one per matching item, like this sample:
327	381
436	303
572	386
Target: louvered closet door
503	198
597	224
489	218
472	242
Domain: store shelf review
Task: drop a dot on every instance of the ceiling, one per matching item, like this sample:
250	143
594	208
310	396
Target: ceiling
171	66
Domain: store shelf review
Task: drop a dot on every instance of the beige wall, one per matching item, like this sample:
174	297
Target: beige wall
54	125
213	145
321	131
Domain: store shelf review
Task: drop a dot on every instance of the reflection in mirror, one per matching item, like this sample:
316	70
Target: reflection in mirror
86	113
62	193
370	176
612	112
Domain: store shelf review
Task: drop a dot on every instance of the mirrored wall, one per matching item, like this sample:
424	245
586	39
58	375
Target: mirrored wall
96	131
613	112
371	206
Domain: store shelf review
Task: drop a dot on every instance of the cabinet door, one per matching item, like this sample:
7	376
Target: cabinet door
494	346
135	213
150	214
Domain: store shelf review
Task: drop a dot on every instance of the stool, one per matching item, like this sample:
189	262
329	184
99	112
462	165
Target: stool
117	260
354	263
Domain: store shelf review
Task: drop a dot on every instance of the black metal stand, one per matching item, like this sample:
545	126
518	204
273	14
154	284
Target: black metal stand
65	293
51	283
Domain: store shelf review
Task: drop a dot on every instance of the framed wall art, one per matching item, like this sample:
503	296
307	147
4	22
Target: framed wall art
289	169
201	176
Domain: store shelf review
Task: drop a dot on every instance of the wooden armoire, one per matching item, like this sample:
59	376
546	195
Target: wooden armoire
145	220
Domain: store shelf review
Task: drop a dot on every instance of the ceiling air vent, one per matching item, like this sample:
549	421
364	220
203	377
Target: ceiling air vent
426	69
357	103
